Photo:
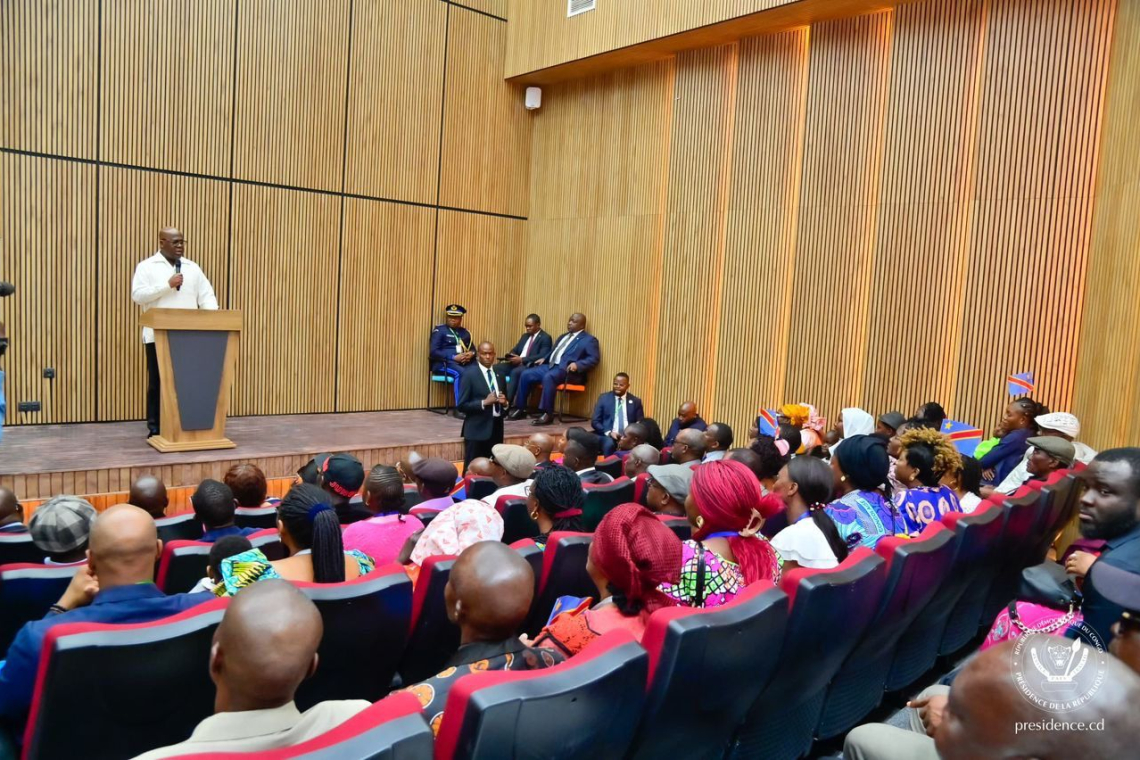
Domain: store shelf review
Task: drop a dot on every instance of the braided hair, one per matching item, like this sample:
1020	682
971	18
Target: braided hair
558	492
313	524
930	454
1031	409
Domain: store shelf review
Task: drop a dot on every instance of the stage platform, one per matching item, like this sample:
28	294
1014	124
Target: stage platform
45	460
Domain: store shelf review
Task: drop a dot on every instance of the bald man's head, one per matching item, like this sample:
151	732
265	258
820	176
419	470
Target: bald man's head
10	511
987	714
639	460
265	647
689	446
123	547
489	592
687	411
171	243
540	444
148	493
481	467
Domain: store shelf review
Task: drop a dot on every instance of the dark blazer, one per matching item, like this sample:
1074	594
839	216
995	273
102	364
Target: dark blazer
481	421
584	350
441	349
603	419
540	349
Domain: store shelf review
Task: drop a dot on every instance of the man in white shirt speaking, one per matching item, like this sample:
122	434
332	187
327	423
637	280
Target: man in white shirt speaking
167	281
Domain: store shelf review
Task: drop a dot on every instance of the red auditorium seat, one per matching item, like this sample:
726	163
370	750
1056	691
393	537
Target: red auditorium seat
611	465
1024	513
666	455
959	601
600	499
915	571
183	563
16	548
27	590
563	574
706	666
588	706
432	638
1061	507
479	486
366	628
255	517
829	611
181	527
640	487
517	524
392	729
136	686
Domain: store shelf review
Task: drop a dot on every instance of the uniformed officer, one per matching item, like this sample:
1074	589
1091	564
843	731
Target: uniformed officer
451	348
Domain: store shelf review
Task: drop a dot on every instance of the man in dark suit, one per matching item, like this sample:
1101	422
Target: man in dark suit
481	398
575	353
534	344
687	418
614	411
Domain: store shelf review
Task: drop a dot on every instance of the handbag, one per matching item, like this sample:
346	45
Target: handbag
1047	585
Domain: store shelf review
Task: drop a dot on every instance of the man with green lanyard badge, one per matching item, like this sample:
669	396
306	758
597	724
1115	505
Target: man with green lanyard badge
451	348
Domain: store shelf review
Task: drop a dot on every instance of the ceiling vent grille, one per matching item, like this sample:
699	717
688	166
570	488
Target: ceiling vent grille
574	7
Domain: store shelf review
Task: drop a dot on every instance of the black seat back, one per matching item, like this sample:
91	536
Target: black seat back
27	591
17	548
183	527
433	637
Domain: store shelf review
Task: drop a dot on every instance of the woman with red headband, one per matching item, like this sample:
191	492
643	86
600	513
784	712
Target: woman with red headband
727	552
554	501
632	554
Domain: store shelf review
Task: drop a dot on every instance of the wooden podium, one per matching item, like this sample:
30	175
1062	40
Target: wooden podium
196	350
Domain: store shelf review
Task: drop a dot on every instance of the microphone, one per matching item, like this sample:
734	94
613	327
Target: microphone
6	289
178	269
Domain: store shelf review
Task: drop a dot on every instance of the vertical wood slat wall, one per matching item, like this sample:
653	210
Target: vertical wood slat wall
911	194
304	148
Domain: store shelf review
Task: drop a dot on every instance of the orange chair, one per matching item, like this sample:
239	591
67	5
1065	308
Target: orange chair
560	405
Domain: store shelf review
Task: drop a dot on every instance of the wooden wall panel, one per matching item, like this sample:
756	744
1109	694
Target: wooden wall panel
759	260
486	127
46	251
699	152
384	303
167	84
49	76
1107	393
395	99
850	68
292	69
133	206
284	281
493	7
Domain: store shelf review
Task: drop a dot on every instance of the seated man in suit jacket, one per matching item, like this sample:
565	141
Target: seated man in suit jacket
482	399
575	353
614	411
534	344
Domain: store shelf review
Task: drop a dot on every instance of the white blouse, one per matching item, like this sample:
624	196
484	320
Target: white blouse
803	542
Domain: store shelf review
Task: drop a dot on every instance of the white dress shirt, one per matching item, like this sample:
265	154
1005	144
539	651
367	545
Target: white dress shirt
621	414
489	378
151	289
518	489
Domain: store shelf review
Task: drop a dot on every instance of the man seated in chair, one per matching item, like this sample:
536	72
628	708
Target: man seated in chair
264	648
575	353
488	596
534	344
580	454
615	411
450	349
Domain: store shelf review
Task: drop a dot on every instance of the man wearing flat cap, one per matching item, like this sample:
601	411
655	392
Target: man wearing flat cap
513	468
450	350
668	488
435	478
1060	425
1047	454
60	529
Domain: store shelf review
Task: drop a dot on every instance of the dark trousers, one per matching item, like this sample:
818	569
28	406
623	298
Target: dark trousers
607	445
152	389
549	377
475	449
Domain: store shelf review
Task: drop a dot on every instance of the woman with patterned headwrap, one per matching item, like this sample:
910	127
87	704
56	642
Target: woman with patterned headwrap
810	423
311	532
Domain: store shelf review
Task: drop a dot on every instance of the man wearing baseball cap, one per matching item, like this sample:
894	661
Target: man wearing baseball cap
60	528
342	476
888	424
668	488
1061	425
514	470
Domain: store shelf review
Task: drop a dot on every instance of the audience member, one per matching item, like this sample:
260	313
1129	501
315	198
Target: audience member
116	586
514	469
640	459
888	424
264	648
60	528
688	448
541	446
575	353
967	484
1047	454
580	457
749	459
554	502
1060	425
635	435
224	547
614	411
631	555
310	472
11	512
311	533
687	419
341	477
727	552
718	440
148	493
214	504
454	530
488	596
249	485
383	535
434	480
852	422
1017	427
772	454
791	434
927	456
806	484
534	344
481	467
862	513
810	424
668	488
653	437
932	415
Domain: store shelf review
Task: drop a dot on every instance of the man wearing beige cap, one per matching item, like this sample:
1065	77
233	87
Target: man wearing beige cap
1060	425
514	469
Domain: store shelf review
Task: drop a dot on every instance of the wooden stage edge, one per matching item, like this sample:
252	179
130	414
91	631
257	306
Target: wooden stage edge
41	461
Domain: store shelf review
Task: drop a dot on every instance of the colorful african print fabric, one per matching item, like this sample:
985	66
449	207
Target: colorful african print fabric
723	579
477	658
863	518
572	629
249	567
919	507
